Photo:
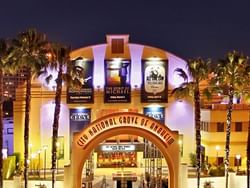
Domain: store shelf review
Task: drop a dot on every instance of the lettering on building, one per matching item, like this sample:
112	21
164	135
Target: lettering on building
138	121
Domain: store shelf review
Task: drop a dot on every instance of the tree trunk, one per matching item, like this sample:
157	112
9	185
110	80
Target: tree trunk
228	132
56	122
197	134
1	128
248	150
26	127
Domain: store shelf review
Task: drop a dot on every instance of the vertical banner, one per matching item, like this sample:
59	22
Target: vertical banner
79	118
84	73
157	113
60	148
154	81
117	81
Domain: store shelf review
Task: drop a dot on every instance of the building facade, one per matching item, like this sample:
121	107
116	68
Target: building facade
122	77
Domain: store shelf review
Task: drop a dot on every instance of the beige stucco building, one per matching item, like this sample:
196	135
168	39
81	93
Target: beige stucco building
177	115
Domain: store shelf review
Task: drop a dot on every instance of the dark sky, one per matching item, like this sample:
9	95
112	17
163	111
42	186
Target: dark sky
187	28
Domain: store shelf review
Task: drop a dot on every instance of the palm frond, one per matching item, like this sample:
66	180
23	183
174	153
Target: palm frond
182	74
207	93
48	79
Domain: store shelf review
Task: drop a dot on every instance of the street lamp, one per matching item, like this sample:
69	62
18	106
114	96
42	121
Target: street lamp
181	147
30	147
44	167
39	158
33	156
57	145
28	162
238	156
217	148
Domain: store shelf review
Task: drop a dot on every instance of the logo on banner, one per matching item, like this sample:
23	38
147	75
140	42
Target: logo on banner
82	116
157	113
154	79
79	118
154	82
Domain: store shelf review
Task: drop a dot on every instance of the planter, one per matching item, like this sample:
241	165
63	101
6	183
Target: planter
207	186
17	181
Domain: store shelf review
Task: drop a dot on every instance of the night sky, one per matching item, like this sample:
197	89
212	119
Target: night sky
186	28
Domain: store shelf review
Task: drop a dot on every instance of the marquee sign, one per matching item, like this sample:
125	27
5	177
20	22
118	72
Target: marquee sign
124	120
118	148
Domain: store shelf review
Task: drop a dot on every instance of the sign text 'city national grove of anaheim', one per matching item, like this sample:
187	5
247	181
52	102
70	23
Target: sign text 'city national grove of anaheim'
137	121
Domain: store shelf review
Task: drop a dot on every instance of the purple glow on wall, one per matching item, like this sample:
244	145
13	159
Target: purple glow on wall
136	54
180	115
174	79
52	84
46	122
136	51
47	117
99	56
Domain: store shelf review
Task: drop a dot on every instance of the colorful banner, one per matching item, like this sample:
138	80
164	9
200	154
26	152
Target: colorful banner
60	148
84	72
117	81
157	113
79	118
154	81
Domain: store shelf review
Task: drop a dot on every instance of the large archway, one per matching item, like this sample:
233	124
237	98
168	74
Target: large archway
125	123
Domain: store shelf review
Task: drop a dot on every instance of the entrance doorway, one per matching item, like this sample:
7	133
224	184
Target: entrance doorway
126	161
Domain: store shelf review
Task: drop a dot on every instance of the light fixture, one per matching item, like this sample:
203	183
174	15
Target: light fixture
33	155
57	144
45	147
238	156
117	59
154	58
217	148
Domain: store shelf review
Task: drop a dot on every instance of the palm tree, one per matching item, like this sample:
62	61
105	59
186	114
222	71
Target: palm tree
3	56
29	52
59	59
248	149
198	69
246	95
228	79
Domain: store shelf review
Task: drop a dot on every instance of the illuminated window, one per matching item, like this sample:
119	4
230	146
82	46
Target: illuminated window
220	127
238	126
237	162
204	126
117	46
220	161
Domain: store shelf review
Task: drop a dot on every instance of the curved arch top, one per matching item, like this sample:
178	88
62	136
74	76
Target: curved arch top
124	119
132	51
125	123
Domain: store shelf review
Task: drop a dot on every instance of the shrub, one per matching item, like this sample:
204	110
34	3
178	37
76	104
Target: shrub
217	171
192	157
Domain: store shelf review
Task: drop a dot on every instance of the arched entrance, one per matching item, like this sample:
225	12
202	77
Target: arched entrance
125	123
